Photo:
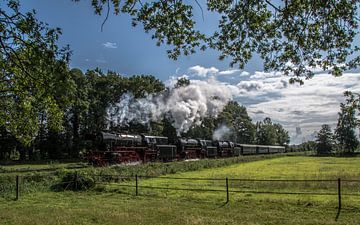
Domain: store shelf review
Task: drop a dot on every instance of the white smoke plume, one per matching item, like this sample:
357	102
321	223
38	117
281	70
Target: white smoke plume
186	105
221	132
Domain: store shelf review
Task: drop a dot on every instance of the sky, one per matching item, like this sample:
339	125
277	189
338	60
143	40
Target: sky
129	51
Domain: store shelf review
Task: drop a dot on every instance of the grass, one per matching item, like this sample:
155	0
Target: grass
114	208
13	168
38	177
283	169
110	203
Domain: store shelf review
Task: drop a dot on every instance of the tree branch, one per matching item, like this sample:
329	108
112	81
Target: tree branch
202	11
107	15
272	5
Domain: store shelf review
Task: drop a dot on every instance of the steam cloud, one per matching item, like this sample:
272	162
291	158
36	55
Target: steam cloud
186	105
221	132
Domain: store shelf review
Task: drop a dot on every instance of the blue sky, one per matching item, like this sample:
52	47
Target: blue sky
133	50
129	51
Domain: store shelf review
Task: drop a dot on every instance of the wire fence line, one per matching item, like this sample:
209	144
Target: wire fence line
225	187
316	187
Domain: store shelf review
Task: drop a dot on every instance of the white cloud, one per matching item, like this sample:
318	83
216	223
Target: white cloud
228	72
264	75
112	45
202	71
244	74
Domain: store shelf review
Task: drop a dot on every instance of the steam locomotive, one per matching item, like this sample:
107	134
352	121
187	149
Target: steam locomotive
116	148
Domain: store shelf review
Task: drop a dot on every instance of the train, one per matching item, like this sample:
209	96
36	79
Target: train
118	148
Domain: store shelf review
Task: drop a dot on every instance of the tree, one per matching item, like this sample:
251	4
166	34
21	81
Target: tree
204	130
324	140
266	132
289	35
353	103
237	119
182	82
142	85
34	74
282	135
344	132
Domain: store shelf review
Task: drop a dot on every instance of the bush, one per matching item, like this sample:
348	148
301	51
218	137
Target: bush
75	181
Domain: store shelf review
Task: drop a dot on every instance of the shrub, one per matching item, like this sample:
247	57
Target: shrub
75	181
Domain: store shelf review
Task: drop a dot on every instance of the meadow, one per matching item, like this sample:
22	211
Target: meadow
112	203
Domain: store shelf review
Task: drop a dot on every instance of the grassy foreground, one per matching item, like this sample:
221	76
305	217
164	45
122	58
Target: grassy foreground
112	204
114	208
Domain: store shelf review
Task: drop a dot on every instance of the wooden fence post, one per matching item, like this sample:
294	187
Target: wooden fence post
17	187
339	192
136	183
339	199
227	190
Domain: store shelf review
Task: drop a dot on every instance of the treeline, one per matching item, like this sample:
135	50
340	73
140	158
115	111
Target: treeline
91	94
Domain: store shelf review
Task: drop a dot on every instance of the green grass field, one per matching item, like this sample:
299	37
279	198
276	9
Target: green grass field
39	166
280	169
110	203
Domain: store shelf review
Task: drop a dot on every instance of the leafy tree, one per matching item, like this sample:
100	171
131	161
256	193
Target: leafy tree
238	120
182	82
142	85
204	130
308	146
104	90
289	35
282	135
7	143
353	103
76	114
344	132
34	77
266	132
324	140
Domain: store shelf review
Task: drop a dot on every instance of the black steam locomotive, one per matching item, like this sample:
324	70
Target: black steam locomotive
115	148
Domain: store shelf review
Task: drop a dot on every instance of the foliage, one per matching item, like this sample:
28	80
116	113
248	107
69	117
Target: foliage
7	143
324	140
182	82
34	79
268	133
238	120
291	36
235	117
308	146
75	181
282	135
344	132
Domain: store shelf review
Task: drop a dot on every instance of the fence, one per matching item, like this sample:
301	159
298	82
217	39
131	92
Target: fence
137	185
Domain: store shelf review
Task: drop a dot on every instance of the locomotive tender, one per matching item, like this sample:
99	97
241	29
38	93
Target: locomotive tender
115	148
